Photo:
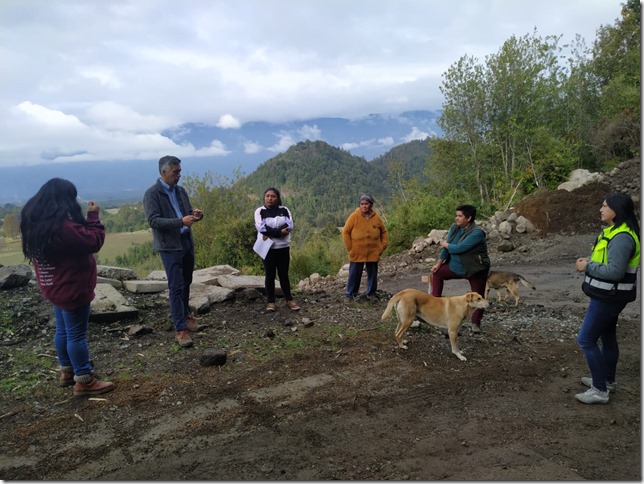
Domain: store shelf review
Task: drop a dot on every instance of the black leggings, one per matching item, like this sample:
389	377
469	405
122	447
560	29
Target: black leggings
277	260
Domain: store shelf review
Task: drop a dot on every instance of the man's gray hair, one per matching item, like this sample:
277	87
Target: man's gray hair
167	161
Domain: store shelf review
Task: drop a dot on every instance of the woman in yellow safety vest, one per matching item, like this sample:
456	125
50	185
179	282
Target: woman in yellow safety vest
610	280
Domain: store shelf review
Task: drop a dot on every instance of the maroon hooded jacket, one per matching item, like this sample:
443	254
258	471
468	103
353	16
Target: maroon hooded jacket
68	278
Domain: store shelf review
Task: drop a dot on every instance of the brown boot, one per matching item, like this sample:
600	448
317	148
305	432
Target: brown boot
94	387
192	324
66	378
183	338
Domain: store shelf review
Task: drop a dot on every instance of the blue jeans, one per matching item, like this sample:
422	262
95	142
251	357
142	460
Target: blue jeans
179	266
355	275
70	339
601	322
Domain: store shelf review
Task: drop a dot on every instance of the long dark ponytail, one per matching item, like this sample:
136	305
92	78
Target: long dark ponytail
624	209
44	213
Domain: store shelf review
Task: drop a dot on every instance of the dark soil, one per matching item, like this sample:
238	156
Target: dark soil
324	393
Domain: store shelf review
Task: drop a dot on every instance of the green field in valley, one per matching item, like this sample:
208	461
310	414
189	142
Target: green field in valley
115	244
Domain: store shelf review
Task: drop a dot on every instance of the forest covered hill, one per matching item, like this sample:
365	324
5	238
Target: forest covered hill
321	183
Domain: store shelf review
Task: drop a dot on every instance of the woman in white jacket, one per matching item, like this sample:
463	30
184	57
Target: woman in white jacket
273	221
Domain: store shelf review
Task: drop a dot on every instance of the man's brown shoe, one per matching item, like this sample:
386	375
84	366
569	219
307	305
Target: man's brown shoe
292	305
94	387
192	324
183	338
270	307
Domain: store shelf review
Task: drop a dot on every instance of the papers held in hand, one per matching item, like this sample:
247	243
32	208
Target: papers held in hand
262	246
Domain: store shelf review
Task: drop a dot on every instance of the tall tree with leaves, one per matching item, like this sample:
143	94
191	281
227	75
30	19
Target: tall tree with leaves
464	121
616	63
500	119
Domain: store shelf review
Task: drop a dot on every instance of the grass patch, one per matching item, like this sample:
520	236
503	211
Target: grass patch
115	244
24	371
119	243
11	252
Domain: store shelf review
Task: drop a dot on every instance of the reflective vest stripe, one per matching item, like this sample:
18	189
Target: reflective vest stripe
609	285
626	288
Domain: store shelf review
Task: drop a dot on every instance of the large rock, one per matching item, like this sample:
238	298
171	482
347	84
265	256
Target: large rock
15	276
579	178
145	287
119	273
419	244
436	235
112	282
202	296
505	227
210	275
109	305
240	282
157	276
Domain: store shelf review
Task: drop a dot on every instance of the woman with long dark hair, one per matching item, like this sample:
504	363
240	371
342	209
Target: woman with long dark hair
274	221
610	280
61	244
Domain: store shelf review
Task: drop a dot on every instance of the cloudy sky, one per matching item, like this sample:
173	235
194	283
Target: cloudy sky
101	80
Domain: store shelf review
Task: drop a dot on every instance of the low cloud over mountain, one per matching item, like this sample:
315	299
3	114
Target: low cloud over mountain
231	146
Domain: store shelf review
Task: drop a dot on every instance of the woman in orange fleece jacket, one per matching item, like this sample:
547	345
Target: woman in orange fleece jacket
365	237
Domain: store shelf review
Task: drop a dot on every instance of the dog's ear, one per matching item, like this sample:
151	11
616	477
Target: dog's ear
469	296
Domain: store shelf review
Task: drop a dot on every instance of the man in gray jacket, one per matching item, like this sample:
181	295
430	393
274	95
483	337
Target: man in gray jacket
170	215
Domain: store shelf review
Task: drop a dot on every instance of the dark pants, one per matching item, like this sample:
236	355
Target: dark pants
179	266
277	261
355	275
601	323
477	284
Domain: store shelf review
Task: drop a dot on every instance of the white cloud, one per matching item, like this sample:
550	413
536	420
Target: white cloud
415	134
216	148
104	76
312	133
284	142
108	79
369	143
227	121
252	148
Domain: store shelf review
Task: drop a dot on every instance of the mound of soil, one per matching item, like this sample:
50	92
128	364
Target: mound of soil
324	393
563	212
577	212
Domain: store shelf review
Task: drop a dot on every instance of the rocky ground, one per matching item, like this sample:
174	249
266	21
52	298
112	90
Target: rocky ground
323	393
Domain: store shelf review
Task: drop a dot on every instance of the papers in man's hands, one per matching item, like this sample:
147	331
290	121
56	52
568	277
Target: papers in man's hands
262	246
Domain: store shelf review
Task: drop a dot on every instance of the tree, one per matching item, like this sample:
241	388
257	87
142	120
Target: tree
616	63
465	118
501	119
11	226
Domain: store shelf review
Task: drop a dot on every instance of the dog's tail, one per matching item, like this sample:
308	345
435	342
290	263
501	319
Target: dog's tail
390	305
527	283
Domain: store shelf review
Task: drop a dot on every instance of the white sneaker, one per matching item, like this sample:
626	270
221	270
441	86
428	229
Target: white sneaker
592	395
588	381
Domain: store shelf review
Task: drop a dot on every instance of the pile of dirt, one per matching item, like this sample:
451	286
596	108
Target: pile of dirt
577	212
563	212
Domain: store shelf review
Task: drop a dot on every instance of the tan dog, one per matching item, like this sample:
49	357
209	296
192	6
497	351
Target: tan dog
508	281
445	312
